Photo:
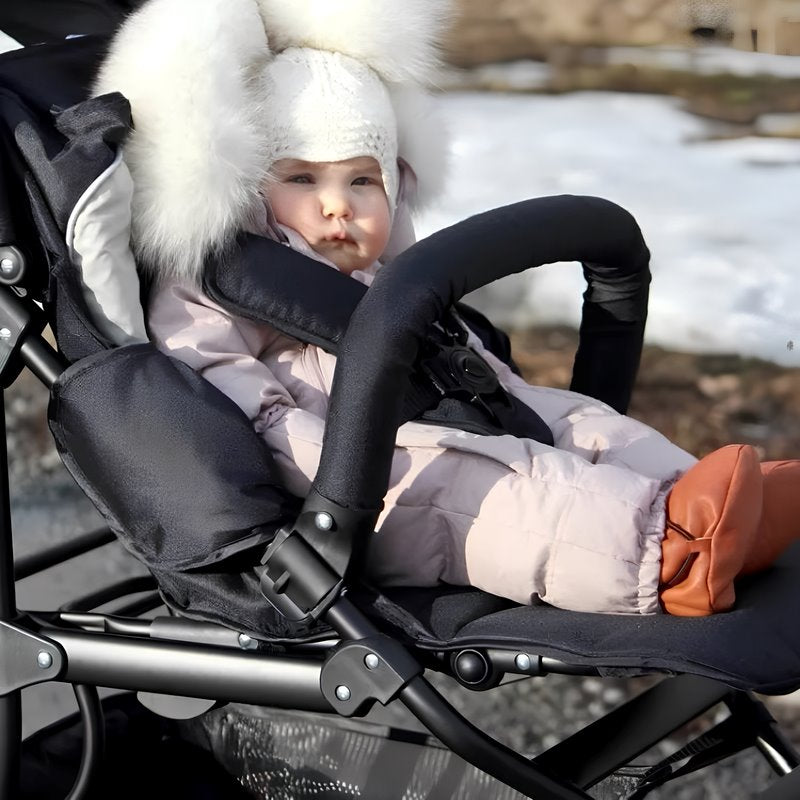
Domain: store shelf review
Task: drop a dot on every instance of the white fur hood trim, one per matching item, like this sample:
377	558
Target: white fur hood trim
399	40
193	73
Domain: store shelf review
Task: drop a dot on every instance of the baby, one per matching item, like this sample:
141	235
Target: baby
613	518
340	208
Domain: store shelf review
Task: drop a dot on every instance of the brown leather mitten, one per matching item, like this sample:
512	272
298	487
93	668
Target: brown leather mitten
713	517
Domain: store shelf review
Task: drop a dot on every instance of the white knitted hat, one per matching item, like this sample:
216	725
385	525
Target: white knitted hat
326	106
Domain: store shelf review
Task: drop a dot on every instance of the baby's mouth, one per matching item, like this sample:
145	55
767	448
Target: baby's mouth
338	240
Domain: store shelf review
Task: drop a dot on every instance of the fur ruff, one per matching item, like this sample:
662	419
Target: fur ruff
399	40
193	73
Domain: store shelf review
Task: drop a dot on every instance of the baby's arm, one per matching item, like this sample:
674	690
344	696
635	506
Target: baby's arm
185	324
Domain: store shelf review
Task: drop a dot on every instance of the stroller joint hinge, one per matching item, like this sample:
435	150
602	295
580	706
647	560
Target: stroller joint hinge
12	265
295	580
16	322
360	672
27	658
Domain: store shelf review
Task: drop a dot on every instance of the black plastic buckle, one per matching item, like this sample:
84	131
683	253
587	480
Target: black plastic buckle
17	320
295	580
458	371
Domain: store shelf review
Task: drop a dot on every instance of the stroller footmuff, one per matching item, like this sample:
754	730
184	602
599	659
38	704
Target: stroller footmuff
189	488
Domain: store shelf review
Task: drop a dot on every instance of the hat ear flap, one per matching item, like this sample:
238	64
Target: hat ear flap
408	189
402	235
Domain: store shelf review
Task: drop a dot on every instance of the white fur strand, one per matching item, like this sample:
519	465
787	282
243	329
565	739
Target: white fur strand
195	154
397	39
194	72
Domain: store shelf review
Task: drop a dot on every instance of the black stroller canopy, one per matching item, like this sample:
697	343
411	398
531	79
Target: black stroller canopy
204	537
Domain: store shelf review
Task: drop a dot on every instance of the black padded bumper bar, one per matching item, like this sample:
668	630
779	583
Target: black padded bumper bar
381	343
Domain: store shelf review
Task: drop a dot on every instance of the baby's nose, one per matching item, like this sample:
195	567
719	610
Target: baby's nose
335	204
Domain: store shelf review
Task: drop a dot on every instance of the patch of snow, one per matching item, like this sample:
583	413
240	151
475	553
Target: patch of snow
707	60
720	217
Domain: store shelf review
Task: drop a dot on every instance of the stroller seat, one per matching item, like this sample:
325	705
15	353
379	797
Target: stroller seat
221	536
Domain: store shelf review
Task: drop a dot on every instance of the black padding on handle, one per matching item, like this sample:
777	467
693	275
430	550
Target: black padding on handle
381	343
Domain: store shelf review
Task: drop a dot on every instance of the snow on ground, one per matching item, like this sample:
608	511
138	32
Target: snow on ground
711	59
720	217
707	60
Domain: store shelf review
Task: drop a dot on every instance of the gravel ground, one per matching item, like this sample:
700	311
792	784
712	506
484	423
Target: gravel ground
532	715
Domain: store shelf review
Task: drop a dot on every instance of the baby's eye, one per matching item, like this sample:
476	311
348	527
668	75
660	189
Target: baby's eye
299	179
363	180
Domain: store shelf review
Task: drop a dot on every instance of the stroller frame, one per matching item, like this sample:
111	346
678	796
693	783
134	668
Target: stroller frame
306	574
89	649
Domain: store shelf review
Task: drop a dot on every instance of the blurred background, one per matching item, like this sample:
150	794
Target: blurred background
686	113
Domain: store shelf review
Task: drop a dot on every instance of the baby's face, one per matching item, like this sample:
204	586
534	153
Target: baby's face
338	207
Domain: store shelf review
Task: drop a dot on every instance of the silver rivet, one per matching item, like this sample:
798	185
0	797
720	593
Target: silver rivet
7	265
5	333
371	661
323	520
342	693
523	662
44	659
247	642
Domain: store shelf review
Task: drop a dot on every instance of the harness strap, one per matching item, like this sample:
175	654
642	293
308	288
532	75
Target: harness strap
452	384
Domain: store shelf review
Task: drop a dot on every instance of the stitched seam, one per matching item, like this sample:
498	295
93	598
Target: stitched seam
582	489
398	504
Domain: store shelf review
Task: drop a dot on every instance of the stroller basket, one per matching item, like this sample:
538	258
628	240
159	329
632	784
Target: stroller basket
326	642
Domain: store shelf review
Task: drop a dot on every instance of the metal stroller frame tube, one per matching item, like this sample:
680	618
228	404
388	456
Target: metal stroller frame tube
10	704
94	735
457	733
42	360
478	749
46	364
188	670
33	563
